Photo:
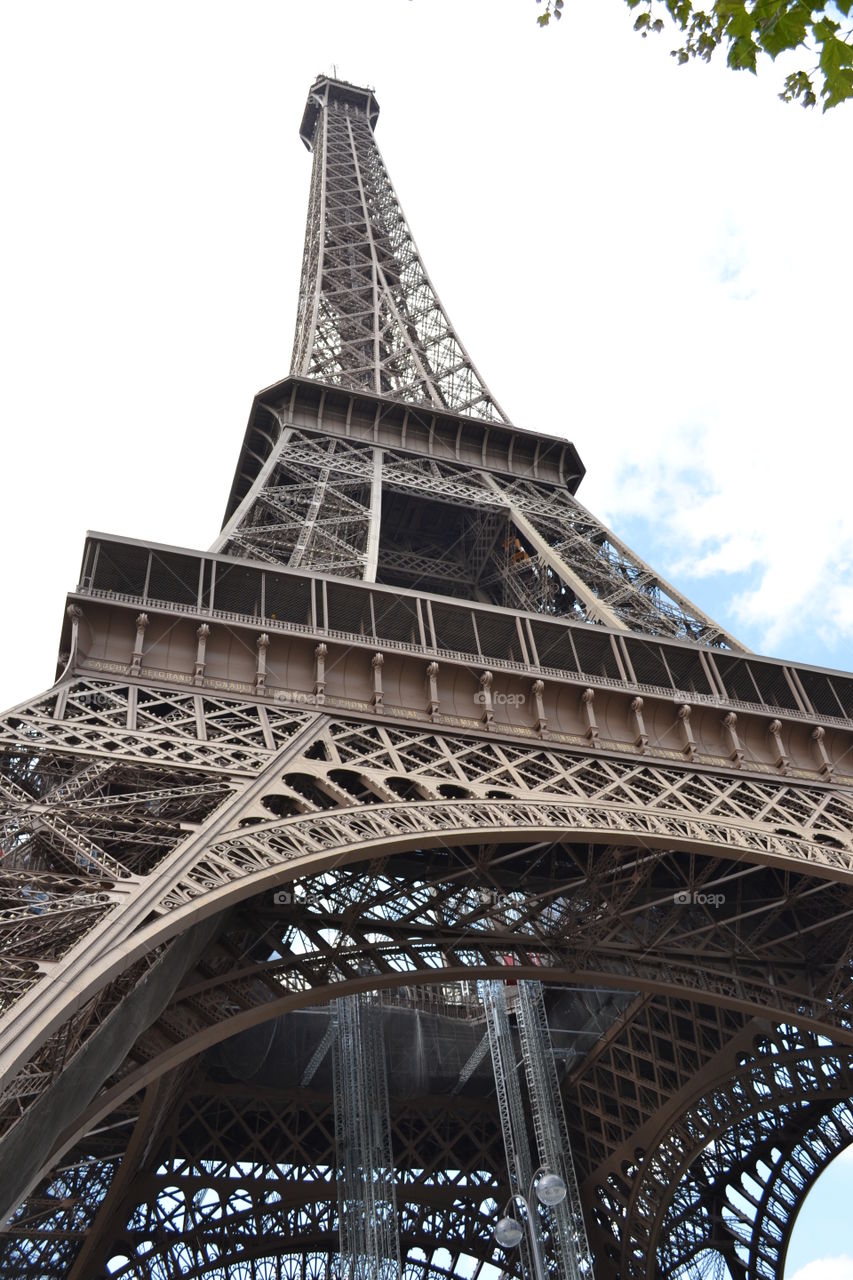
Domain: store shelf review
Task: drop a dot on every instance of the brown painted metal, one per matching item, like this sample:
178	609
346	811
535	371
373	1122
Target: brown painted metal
416	717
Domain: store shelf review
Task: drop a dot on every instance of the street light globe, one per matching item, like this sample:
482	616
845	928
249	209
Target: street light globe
551	1189
508	1232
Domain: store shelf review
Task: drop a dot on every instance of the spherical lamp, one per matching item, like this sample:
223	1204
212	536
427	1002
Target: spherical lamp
551	1189
508	1232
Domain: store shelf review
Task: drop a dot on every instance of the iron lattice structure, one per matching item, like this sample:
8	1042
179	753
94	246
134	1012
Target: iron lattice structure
417	717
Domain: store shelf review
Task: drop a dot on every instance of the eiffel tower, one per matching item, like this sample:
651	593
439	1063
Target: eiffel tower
419	773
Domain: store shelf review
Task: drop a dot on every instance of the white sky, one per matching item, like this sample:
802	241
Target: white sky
649	259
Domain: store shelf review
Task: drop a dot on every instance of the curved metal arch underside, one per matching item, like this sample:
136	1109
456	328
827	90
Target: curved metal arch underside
771	1126
699	903
727	1180
505	795
723	1184
750	937
223	1173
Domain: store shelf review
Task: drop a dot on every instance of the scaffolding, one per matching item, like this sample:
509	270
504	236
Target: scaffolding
571	1246
567	1252
510	1104
367	1202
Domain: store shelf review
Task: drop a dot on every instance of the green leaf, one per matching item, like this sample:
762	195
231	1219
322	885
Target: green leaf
680	11
786	30
799	85
837	89
837	86
835	54
676	11
734	19
825	29
742	54
642	21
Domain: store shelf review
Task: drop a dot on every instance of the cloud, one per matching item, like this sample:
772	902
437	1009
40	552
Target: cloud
839	1268
758	479
729	431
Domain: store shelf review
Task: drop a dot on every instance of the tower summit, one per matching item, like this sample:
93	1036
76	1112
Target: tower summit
293	806
369	317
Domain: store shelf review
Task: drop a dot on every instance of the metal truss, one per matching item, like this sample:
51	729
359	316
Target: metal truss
612	584
284	774
518	544
233	1171
369	316
725	1182
315	510
367	1200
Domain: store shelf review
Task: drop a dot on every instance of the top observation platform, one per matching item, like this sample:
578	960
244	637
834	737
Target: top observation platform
325	90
